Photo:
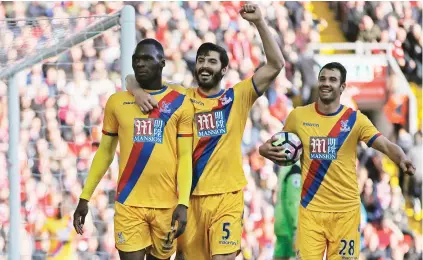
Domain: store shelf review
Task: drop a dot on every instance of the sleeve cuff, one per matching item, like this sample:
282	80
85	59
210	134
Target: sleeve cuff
108	133
183	202
371	141
255	88
184	135
85	197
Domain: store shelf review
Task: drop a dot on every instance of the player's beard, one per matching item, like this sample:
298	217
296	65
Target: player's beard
328	100
213	82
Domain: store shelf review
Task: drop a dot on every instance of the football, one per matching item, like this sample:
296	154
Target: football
292	145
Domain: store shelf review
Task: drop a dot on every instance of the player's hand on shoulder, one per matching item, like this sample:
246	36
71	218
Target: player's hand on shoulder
407	167
144	100
180	215
251	12
273	153
79	215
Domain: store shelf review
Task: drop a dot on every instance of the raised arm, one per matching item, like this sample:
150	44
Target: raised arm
274	59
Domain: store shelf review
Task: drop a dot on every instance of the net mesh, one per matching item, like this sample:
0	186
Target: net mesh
23	38
62	100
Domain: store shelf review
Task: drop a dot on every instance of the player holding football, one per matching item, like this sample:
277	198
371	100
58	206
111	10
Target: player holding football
329	215
215	215
155	162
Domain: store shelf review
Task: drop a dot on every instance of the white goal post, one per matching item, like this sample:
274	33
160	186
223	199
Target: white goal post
125	18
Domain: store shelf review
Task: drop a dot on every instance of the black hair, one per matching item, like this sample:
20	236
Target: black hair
337	66
205	48
151	41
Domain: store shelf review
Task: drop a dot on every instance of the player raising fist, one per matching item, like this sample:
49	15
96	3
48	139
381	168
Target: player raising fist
216	207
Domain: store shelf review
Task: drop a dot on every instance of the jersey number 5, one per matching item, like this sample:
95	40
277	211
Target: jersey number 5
225	229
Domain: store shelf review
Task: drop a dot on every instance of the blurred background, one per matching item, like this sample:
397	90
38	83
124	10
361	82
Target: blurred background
62	101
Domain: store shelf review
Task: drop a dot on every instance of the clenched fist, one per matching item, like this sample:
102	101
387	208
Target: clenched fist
251	13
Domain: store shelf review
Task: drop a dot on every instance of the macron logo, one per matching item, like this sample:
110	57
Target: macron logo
196	102
310	124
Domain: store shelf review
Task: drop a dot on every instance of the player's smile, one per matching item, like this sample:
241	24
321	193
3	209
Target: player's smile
205	74
325	91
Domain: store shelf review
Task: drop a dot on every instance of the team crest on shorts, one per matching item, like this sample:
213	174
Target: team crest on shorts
211	123
323	148
120	238
148	130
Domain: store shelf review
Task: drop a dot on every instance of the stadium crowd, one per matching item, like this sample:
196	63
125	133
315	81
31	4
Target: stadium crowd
388	22
62	101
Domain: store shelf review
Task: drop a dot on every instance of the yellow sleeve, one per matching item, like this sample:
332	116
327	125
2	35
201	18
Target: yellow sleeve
101	162
367	131
110	123
176	87
185	122
184	177
185	147
290	123
247	91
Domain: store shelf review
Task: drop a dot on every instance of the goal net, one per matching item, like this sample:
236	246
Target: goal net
64	68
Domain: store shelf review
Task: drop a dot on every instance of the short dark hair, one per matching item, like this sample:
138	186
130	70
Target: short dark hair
205	48
151	41
337	66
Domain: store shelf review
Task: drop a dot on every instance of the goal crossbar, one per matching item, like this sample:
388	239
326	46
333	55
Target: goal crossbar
91	31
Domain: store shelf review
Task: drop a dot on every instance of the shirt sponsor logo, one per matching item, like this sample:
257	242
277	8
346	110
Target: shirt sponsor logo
211	123
323	148
148	130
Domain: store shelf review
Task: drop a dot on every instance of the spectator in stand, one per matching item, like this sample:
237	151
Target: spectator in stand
393	18
368	31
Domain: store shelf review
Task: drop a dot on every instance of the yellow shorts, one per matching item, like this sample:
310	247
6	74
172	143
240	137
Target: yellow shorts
138	228
214	226
338	231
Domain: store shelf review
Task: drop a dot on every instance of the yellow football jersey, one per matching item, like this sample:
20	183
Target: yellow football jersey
329	155
148	146
219	124
61	233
